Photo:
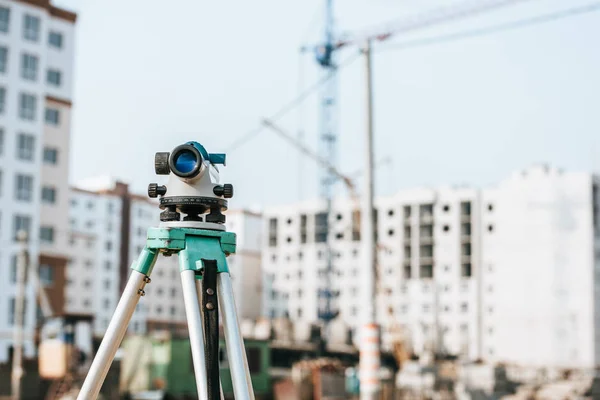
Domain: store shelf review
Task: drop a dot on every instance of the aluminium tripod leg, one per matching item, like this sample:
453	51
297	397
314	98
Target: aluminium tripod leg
194	319
236	353
118	325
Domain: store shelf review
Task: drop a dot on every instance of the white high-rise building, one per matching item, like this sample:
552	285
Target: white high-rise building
36	70
502	274
541	269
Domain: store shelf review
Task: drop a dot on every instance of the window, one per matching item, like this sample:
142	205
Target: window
55	39
321	227
464	307
466	270
446	208
53	77
303	225
2	99
27	106
299	313
490	207
427	271
29	67
390	232
106	303
107	265
108	246
24	188
3	58
390	213
11	311
90	205
490	228
25	146
4	19
446	228
466	249
21	223
48	195
407	212
50	155
407	272
13	269
52	116
106	284
31	28
273	232
47	234
46	274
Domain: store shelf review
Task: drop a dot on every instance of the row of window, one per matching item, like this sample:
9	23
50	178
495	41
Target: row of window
31	28
26	148
29	68
24	189
28	108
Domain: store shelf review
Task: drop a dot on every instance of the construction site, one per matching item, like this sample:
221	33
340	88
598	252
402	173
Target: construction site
351	261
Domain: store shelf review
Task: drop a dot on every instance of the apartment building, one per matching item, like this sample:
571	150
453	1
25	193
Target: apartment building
505	274
36	70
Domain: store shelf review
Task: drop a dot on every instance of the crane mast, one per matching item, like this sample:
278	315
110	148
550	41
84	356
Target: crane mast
328	151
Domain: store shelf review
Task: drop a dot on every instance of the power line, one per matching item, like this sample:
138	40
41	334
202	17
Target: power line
292	104
523	23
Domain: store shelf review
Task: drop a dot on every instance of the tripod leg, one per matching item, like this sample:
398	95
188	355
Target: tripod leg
194	319
113	336
236	353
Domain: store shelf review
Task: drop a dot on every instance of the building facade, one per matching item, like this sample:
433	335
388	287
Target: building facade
36	70
504	274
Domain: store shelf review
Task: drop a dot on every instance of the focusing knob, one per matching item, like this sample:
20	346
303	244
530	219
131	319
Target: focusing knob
161	163
154	190
226	190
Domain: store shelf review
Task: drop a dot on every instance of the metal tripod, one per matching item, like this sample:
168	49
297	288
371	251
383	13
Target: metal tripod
202	249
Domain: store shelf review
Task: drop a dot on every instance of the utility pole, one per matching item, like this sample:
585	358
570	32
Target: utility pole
19	313
370	353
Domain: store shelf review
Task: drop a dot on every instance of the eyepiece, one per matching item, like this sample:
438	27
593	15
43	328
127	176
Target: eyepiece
185	161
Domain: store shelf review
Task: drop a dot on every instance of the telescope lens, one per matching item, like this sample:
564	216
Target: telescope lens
186	161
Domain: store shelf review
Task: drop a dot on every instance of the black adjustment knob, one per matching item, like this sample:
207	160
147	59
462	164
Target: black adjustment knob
155	190
169	215
226	190
215	216
161	163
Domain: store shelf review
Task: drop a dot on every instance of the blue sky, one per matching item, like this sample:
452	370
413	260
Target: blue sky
150	75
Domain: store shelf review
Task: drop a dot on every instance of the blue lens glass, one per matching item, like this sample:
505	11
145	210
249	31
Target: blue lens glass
185	162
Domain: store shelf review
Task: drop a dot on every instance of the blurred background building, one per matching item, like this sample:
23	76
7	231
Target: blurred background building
36	73
464	272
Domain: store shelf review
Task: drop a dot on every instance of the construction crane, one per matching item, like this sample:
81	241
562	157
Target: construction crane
328	150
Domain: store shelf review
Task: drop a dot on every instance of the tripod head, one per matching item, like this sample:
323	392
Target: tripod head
193	187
